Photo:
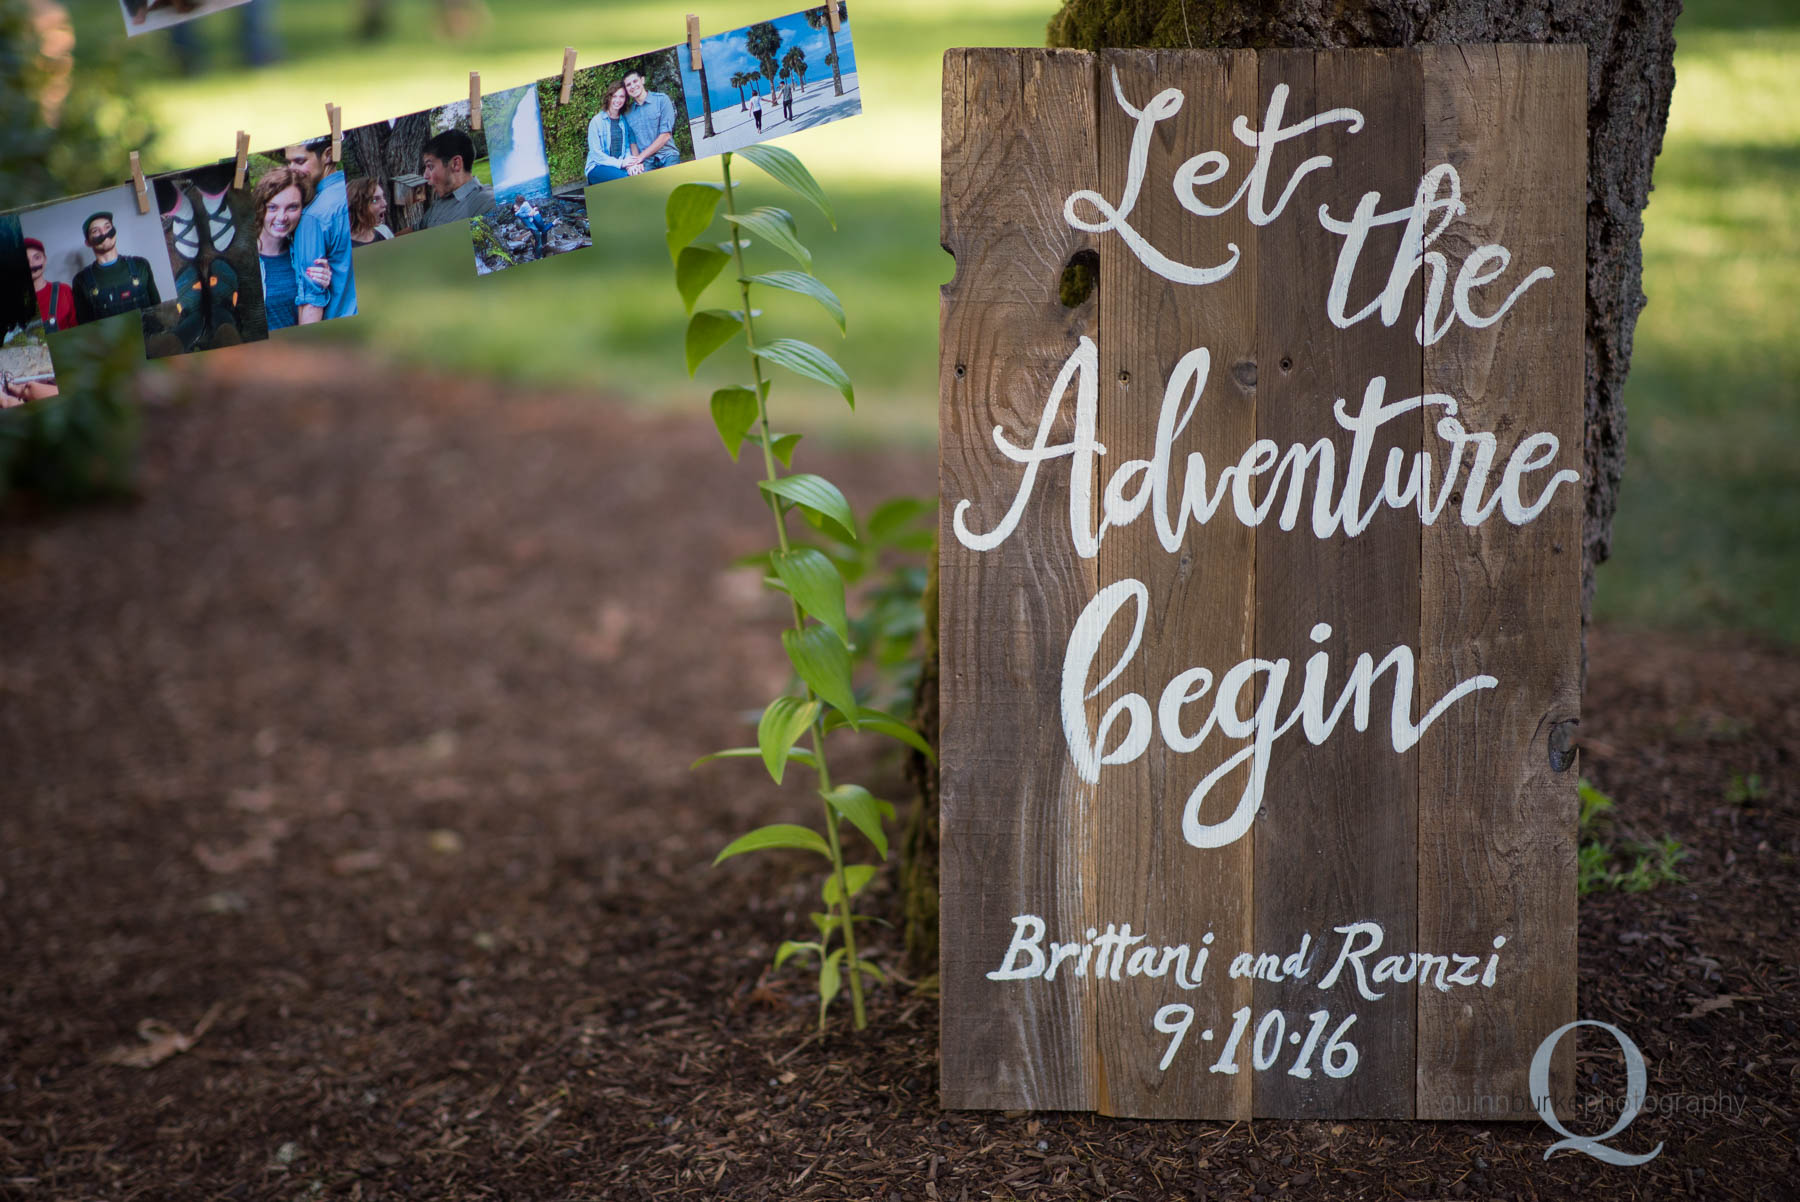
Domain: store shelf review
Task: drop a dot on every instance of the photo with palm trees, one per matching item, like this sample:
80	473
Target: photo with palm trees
770	79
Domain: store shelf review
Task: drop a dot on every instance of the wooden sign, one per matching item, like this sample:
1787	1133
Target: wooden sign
1261	390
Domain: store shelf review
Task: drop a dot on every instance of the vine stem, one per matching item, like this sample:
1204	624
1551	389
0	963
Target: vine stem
848	927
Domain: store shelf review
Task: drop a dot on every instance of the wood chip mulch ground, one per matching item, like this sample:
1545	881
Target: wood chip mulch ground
349	849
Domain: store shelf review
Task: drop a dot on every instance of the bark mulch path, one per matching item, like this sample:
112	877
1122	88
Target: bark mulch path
348	772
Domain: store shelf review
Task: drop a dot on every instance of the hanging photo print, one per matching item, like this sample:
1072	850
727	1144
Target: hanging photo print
623	118
387	190
113	259
209	230
144	16
459	180
316	245
771	78
211	265
526	222
25	370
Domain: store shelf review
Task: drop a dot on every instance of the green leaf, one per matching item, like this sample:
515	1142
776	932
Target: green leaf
805	285
782	445
783	448
791	946
893	516
869	970
733	413
697	267
857	876
707	331
830	981
883	724
826	923
817	494
813	581
798	755
782	834
783	722
807	360
823	662
896	729
863	810
689	212
784	167
776	227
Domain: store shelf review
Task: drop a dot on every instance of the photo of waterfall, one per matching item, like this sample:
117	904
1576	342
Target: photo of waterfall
526	223
516	155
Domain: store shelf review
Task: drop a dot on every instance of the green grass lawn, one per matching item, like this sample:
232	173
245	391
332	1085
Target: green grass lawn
1708	532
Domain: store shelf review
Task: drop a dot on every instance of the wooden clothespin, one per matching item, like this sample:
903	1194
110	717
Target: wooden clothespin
693	23
137	180
475	100
334	113
831	14
243	159
568	75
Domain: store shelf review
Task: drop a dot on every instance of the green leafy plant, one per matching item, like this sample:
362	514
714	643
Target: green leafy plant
1745	789
823	642
1630	866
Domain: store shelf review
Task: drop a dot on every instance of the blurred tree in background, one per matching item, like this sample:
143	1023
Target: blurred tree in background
65	130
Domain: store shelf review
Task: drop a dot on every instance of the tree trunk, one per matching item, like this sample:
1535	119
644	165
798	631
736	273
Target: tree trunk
1631	49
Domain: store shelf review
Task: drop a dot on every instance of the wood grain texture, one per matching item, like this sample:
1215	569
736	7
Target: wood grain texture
1497	817
1200	614
1335	839
1018	137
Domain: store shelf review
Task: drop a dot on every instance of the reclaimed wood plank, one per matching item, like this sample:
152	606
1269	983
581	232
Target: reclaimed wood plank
1497	855
1199	612
1018	137
1335	840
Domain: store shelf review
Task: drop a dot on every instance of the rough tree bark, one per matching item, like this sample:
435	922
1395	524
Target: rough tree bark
1631	49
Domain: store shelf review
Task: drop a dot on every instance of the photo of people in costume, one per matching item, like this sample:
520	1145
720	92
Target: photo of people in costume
144	16
623	118
207	227
771	78
101	259
26	373
526	222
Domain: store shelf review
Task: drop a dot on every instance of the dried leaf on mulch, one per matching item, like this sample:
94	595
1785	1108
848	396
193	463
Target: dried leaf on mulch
160	1041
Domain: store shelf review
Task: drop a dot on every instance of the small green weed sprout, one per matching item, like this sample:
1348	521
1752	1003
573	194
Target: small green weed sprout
1632	866
1745	789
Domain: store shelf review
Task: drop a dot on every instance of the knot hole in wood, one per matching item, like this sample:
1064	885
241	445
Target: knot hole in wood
1079	278
1562	744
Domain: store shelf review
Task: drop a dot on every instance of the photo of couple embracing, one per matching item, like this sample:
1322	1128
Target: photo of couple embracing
623	118
303	237
633	132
